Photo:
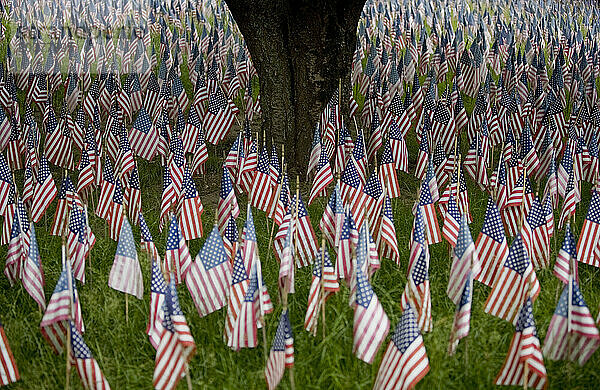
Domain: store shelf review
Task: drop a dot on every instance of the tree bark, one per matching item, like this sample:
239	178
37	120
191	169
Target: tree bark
301	49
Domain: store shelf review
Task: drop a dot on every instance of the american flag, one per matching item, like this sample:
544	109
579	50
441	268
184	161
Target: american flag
426	203
5	129
125	161
371	324
491	245
565	256
590	233
387	242
282	352
333	218
399	149
218	118
9	373
87	367
177	162
423	158
255	304
315	151
144	136
324	284
228	205
106	192
133	196
237	292
572	334
322	178
351	187
230	238
373	198
177	256
168	196
77	242
387	172
176	346
209	277
86	177
462	316
58	312
117	212
200	154
33	273
147	243
16	253
344	266
451	222
465	263
417	290
158	290
535	236
306	245
190	133
6	183
524	350
261	193
360	157
125	273
515	284
405	361
65	197
287	266
572	197
191	208
45	191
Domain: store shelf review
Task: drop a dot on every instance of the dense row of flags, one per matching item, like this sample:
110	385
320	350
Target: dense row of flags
530	69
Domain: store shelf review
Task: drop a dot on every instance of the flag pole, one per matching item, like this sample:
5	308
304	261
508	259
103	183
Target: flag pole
66	265
322	285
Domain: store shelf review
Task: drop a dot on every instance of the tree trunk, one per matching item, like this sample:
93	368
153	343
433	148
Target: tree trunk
301	49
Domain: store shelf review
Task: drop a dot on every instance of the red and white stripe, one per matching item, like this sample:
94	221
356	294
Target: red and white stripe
190	218
172	355
371	326
524	349
44	195
9	372
208	287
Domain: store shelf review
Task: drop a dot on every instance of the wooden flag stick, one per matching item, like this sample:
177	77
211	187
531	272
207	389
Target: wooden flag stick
523	198
187	376
322	284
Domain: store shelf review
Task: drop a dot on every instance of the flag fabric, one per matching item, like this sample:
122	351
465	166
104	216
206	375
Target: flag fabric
143	136
405	361
228	205
429	215
566	257
535	235
452	219
18	246
190	208
524	350
6	182
322	178
491	245
65	198
88	369
158	290
209	276
515	284
371	324
45	191
333	218
387	242
125	273
33	273
465	263
462	316
282	352
324	284
106	191
177	256
9	373
218	118
176	346
589	238
237	292
306	243
58	312
387	172
351	187
572	334
261	193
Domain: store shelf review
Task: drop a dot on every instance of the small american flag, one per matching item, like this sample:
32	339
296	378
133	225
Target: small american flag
237	291
9	373
373	197
86	177
209	277
360	157
158	290
18	244
344	266
491	245
177	256
125	273
282	352
451	222
515	284
315	151
261	193
524	350
125	160
462	316
307	240
387	172
535	236
6	183
566	254
45	191
371	324
465	263
405	361
385	231
117	213
147	243
427	205
324	283
133	196
87	367
176	346
417	291
107	190
351	188
590	233
144	136
33	273
322	178
228	205
572	334
333	218
191	208
218	118
58	312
